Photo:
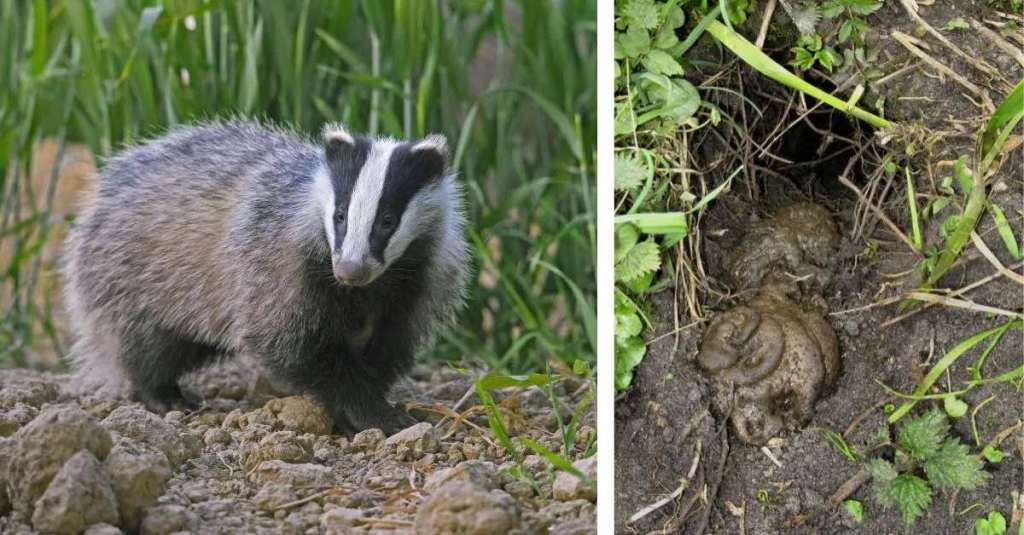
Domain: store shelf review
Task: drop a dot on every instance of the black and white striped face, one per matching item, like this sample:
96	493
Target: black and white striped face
378	196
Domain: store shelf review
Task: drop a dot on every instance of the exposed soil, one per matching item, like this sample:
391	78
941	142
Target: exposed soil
251	462
664	421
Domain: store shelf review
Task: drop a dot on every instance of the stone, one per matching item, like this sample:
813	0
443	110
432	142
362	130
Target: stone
273	496
143	426
413	442
139	474
569	487
300	414
293	474
340	520
43	446
215	436
79	495
30	392
280	445
166	519
480	473
367	440
13	419
464	508
102	529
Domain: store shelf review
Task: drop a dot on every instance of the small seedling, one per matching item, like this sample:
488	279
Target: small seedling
855	509
926	458
993	524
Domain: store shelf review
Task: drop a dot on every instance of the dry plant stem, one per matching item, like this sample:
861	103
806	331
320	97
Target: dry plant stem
908	43
860	417
846	489
965	289
683	485
1008	48
1001	436
878	211
307	499
987	253
719	474
960	303
769	10
975	62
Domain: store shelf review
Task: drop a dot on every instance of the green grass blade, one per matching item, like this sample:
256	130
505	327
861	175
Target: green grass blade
757	59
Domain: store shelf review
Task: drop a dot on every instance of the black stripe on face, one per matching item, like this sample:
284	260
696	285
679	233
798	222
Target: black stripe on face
407	173
344	161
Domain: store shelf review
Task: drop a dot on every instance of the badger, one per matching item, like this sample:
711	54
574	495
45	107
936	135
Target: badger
331	262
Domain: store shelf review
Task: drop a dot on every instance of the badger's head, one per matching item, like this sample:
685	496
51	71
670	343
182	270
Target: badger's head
379	196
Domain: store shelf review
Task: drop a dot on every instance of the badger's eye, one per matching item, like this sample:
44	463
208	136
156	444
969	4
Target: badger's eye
339	216
387	221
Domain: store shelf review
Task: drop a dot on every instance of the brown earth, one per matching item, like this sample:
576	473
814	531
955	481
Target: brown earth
664	421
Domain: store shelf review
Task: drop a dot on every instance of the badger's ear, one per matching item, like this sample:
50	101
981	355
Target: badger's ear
432	151
338	142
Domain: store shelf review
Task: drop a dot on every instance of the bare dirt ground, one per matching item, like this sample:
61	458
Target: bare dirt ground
250	462
668	438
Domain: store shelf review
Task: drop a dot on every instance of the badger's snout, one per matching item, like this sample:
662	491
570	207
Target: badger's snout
354	272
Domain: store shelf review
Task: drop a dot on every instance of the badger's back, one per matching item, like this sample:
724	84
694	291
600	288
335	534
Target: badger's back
166	227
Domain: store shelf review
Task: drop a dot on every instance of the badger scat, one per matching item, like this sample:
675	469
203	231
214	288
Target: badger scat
332	262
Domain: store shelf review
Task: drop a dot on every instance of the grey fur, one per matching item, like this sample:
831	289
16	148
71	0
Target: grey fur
202	240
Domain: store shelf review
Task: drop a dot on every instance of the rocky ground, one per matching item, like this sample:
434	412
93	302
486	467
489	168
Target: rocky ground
249	462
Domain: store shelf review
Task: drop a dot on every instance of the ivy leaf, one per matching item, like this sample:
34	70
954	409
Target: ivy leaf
994	524
674	18
675	99
630	172
845	30
642	258
641	14
921	436
659	62
626	236
625	118
953	467
911	495
666	38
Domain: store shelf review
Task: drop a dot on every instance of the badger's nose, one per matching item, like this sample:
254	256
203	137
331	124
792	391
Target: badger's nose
351	272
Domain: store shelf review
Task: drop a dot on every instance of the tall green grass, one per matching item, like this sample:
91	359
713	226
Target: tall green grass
510	82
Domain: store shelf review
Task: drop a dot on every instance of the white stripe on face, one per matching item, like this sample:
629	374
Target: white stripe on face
362	206
423	211
323	190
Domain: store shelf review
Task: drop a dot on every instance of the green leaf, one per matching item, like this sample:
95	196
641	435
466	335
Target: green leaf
642	258
634	42
922	436
911	495
845	29
880	470
957	23
864	7
626	236
963	175
802	59
674	99
659	62
1005	118
641	14
630	172
827	58
1005	232
953	467
832	9
627	356
666	38
954	407
855	509
994	524
992	454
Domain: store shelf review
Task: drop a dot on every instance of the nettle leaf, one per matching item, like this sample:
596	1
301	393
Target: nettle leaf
658	62
832	9
642	258
911	495
634	42
953	467
922	436
864	7
625	118
630	172
880	470
641	14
